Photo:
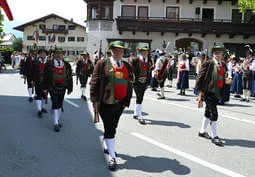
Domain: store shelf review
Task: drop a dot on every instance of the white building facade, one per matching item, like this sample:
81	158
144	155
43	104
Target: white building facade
188	24
53	31
7	40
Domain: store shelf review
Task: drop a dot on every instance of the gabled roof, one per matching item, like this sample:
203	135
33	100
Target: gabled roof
5	6
8	37
21	27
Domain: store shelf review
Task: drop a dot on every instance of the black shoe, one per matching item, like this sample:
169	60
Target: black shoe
183	93
154	90
112	165
161	98
56	127
142	121
135	117
84	98
237	96
107	152
217	141
44	110
39	114
30	99
243	99
247	101
204	135
179	93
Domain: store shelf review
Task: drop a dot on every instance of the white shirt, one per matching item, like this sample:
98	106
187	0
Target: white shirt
114	63
56	63
229	66
252	67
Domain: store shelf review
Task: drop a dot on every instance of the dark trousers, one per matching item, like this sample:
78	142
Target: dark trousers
247	82
211	102
57	97
39	91
83	80
110	115
139	91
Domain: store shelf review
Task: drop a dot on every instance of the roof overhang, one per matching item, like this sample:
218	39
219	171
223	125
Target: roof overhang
7	10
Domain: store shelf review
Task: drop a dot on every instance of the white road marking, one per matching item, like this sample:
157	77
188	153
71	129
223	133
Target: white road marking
188	156
196	109
72	103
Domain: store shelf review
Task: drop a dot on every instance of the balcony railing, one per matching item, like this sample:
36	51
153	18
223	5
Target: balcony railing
58	31
185	25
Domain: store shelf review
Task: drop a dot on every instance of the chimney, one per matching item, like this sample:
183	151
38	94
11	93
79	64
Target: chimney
71	19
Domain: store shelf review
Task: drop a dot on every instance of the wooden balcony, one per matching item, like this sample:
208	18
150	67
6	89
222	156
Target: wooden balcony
185	25
56	31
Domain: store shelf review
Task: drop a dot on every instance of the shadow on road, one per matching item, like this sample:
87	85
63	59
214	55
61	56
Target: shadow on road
235	105
177	99
153	164
167	123
240	143
10	71
30	147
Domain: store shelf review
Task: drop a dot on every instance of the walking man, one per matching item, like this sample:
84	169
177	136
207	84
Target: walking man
210	85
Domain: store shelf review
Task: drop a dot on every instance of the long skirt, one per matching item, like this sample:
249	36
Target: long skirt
253	84
237	86
183	80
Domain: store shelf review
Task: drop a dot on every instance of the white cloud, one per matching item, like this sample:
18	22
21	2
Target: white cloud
27	10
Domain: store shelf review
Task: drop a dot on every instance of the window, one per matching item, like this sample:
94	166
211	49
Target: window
71	27
52	38
80	39
143	11
30	38
42	38
42	27
247	15
236	16
95	12
71	38
172	12
106	12
61	27
55	27
128	11
61	38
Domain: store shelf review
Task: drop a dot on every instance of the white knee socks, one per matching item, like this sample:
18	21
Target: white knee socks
214	129
110	143
162	92
39	105
30	92
205	124
139	111
55	116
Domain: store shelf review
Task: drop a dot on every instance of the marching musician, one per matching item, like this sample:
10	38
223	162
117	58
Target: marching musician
161	72
57	79
83	71
141	69
38	70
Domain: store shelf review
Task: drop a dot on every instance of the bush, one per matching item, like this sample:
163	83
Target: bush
6	54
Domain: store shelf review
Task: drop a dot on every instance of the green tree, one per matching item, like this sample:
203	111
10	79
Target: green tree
246	4
1	25
17	44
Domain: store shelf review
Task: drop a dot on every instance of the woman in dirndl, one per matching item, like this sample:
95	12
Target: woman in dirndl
183	74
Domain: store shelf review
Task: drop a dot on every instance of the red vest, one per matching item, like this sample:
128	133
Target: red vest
144	69
221	74
59	75
183	65
86	67
121	82
42	66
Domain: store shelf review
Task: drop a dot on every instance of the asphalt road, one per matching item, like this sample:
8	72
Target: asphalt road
167	146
